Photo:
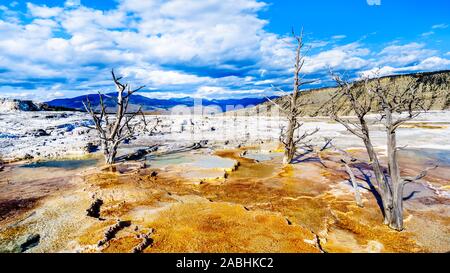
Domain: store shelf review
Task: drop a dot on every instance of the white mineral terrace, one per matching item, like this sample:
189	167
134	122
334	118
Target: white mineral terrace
64	134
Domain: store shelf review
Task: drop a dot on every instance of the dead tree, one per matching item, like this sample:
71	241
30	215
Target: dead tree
399	105
153	127
353	95
113	131
361	97
354	183
346	160
292	107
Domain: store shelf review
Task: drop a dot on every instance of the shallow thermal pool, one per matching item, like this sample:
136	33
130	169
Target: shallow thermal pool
213	162
428	156
159	161
63	164
195	160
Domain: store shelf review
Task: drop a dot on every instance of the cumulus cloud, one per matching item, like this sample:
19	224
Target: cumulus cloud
347	57
158	77
217	92
142	39
429	64
406	54
205	48
43	11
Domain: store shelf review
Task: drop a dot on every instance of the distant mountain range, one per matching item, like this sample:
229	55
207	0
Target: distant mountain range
150	104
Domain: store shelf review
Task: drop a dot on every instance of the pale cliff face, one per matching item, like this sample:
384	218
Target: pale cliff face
7	105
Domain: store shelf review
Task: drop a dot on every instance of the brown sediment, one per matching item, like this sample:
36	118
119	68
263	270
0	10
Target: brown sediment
260	207
371	229
10	208
298	193
431	229
224	227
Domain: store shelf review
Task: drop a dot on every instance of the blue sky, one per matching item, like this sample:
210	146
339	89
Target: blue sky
211	48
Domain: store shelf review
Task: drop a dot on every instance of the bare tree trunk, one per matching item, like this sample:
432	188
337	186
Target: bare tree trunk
106	153
289	141
382	182
380	178
358	199
112	153
396	221
346	158
293	108
289	149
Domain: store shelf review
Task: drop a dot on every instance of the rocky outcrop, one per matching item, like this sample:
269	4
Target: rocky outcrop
11	105
111	232
94	209
146	242
7	105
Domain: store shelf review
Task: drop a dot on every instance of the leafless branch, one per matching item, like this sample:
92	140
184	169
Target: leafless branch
419	176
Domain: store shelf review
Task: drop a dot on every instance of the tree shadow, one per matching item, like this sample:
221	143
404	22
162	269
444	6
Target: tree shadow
361	167
137	155
411	195
143	154
303	157
198	145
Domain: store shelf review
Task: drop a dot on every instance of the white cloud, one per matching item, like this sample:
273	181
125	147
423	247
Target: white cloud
440	26
374	72
338	37
374	2
215	92
36	94
160	78
349	57
318	44
429	33
164	45
43	11
72	3
429	64
401	55
432	63
8	14
165	95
